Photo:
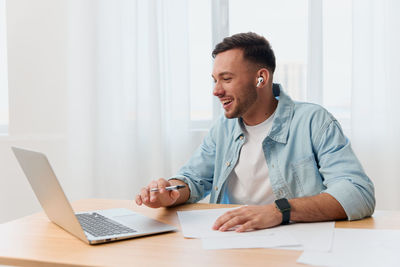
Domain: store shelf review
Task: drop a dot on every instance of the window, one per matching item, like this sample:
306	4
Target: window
337	59
3	72
284	25
200	47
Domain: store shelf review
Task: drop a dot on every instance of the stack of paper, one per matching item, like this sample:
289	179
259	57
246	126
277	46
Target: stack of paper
358	247
311	236
323	245
198	224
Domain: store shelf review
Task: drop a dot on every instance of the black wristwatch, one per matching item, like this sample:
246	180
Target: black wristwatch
283	206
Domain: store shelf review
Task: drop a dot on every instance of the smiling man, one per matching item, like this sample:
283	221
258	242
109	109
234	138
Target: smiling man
287	161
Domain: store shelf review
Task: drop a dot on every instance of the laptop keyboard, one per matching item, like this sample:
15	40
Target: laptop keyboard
98	225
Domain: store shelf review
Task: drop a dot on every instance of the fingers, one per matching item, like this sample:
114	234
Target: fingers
235	221
161	184
138	200
153	195
143	197
246	218
245	227
158	198
221	222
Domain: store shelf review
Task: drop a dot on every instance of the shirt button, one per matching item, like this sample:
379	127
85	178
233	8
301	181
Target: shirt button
273	166
228	164
216	188
241	137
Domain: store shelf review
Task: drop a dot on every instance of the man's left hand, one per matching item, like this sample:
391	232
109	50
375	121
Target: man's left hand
249	218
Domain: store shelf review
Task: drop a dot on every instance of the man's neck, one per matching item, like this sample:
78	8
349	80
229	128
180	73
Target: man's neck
262	109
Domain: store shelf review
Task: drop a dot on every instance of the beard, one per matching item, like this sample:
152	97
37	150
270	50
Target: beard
242	103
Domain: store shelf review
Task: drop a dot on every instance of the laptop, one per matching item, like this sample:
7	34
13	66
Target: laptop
93	227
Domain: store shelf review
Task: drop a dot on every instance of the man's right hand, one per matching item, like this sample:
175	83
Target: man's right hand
161	198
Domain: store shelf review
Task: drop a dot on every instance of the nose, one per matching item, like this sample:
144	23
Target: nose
218	90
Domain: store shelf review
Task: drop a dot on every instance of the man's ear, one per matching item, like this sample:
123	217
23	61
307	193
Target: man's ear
263	77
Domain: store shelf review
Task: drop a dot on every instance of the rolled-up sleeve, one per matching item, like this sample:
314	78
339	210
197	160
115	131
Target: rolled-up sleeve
342	172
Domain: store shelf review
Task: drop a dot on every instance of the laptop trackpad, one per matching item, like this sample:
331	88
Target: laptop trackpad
142	223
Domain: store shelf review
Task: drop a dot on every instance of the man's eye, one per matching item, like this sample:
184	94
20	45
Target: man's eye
227	79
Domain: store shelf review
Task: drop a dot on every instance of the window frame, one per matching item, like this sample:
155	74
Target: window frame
219	30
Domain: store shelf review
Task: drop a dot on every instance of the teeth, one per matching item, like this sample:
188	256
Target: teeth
226	102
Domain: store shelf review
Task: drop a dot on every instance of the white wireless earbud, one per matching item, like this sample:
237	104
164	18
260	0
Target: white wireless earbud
260	80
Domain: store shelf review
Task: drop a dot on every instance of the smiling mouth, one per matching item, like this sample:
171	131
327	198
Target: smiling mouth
226	102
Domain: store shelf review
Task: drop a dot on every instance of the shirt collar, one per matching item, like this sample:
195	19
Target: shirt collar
283	116
238	130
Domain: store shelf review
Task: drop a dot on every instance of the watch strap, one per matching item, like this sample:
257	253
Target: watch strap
284	207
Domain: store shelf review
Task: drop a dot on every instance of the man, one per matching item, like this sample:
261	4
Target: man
288	161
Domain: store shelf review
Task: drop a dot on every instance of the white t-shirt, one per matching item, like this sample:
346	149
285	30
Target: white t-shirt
249	183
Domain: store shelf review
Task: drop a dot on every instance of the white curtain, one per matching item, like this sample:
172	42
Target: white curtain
375	97
141	129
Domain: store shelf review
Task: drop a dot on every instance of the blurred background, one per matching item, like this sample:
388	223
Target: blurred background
118	93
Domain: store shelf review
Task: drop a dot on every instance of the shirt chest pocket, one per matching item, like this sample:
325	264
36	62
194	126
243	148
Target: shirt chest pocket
306	179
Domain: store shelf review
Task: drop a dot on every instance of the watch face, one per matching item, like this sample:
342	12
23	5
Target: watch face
283	204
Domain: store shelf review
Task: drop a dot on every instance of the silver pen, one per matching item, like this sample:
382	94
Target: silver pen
169	188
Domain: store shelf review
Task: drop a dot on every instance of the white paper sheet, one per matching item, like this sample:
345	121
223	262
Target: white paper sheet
271	239
358	248
198	224
311	236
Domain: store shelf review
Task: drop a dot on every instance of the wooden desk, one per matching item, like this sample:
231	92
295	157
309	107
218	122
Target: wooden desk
35	241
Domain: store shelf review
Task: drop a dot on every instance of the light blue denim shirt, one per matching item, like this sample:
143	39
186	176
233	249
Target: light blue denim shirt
306	152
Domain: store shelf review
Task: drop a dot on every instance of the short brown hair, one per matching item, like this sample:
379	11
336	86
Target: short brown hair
255	48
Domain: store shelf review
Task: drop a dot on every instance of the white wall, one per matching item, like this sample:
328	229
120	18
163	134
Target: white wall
50	82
